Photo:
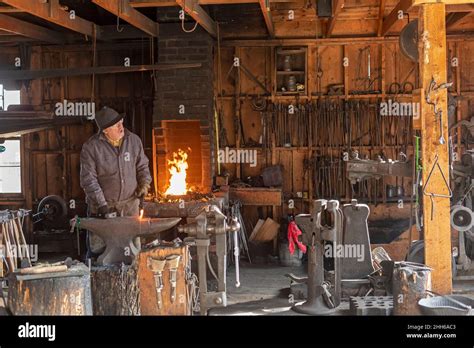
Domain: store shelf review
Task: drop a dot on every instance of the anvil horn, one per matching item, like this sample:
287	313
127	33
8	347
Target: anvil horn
118	234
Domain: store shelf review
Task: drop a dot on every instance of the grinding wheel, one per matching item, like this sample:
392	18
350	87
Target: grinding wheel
461	218
409	40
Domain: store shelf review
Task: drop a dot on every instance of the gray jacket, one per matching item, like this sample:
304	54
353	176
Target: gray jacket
110	174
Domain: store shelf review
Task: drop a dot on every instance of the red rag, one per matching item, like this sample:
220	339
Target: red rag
293	233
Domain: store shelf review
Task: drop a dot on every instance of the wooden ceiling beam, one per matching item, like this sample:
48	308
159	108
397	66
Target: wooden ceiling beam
165	3
19	27
389	21
122	9
52	12
193	9
267	15
152	3
454	17
9	9
460	8
446	2
381	15
338	5
405	5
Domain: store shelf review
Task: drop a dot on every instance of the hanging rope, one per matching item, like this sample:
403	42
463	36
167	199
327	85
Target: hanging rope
119	11
94	51
182	19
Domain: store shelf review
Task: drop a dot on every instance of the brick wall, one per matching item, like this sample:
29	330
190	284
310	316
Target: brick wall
188	88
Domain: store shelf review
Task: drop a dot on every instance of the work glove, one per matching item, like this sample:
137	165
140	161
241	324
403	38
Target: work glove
142	190
103	211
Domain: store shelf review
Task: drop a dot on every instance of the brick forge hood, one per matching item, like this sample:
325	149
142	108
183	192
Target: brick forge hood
183	107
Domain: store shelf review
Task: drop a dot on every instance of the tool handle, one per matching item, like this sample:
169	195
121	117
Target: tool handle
43	269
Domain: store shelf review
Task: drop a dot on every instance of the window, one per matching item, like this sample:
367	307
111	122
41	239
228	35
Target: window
10	169
8	97
10	150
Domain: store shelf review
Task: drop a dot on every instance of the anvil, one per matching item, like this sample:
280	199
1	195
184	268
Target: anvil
118	234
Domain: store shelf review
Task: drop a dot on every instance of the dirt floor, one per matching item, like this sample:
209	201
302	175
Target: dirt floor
264	290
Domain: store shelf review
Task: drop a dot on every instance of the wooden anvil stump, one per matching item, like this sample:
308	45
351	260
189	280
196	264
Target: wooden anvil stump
115	290
59	293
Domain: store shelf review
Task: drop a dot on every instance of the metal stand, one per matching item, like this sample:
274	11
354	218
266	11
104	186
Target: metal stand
320	299
208	223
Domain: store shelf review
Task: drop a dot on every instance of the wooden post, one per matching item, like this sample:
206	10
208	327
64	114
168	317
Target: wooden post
437	229
237	115
457	54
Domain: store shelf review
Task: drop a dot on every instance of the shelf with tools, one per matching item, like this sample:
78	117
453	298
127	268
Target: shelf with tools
290	96
291	71
315	132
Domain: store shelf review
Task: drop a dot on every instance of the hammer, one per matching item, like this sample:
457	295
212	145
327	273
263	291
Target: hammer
61	266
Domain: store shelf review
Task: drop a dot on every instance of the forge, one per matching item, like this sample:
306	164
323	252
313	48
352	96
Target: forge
181	190
186	208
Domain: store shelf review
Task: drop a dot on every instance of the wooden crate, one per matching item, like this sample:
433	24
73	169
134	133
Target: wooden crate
146	282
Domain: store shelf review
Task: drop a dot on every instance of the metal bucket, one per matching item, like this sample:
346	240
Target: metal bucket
447	305
410	283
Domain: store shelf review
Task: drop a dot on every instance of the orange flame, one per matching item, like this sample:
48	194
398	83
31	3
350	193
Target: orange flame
142	211
177	168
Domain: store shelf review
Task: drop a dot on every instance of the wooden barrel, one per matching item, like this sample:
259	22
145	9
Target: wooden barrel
410	284
115	290
60	293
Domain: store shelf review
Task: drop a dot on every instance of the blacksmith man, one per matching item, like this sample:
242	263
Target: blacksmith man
114	170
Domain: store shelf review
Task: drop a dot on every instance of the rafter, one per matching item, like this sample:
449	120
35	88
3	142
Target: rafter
446	2
9	9
405	5
381	14
16	26
165	3
193	9
453	18
152	3
338	5
122	9
460	8
51	12
389	21
267	15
